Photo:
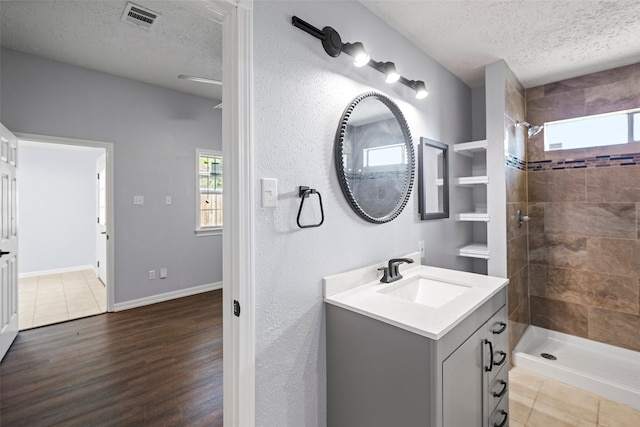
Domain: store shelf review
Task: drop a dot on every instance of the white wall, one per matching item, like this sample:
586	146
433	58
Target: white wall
58	207
300	95
155	132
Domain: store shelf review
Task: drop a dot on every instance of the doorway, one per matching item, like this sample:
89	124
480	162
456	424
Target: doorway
63	187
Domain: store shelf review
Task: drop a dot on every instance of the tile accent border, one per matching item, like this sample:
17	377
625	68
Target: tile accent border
515	162
631	159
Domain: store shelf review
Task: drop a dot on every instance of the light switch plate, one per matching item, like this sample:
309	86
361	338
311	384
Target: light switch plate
269	192
167	200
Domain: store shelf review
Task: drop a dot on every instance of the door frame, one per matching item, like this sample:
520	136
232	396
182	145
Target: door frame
236	17
108	147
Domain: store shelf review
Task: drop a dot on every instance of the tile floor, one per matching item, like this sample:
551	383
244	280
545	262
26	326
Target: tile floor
58	297
538	401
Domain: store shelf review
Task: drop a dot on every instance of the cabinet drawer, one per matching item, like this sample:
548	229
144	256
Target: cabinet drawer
496	344
500	416
498	389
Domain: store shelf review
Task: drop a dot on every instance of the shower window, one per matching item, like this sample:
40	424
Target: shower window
593	131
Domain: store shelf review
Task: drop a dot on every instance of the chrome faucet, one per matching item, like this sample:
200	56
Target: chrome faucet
391	273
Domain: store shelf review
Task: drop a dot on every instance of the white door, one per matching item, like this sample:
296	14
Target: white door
102	218
8	241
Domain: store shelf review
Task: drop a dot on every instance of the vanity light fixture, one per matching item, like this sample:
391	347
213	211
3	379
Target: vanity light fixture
332	44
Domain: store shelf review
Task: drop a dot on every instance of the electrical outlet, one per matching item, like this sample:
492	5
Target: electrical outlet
167	200
421	248
138	200
152	274
163	273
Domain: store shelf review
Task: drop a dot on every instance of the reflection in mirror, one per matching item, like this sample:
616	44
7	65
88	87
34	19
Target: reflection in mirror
433	177
375	157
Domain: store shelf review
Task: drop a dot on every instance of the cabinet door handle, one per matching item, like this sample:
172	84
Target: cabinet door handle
501	361
490	367
505	417
3	253
502	325
501	392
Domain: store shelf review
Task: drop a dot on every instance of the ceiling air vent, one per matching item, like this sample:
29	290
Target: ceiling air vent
140	16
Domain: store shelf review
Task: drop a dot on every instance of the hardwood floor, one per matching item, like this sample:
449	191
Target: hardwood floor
159	365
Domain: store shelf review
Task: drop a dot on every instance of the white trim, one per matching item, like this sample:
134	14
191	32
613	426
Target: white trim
205	231
110	168
56	271
238	234
153	299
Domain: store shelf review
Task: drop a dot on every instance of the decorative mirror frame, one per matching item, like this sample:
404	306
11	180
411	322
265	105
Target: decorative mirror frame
422	196
339	150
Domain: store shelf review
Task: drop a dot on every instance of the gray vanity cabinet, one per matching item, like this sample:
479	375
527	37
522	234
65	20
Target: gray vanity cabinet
475	379
380	375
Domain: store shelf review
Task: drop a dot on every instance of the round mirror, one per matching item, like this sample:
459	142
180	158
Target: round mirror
375	158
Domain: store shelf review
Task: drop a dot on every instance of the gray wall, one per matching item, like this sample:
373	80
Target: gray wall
155	132
58	207
300	95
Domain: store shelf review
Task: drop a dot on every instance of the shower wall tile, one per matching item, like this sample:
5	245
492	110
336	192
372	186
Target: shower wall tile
516	254
518	322
559	316
616	96
557	186
513	228
556	107
537	279
603	92
558	250
514	102
591	219
618	293
584	241
518	289
615	328
615	256
613	184
536	215
516	184
516	137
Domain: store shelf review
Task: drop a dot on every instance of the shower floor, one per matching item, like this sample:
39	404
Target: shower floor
609	371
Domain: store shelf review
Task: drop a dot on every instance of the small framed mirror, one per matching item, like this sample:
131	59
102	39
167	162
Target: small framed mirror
433	179
374	157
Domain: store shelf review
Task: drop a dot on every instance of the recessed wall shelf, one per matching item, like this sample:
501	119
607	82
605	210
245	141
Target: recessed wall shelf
473	216
474	250
472	180
470	148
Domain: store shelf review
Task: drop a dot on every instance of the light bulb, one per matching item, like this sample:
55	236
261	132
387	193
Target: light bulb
421	90
390	72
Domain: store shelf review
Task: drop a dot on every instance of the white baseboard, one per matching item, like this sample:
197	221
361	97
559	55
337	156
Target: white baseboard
166	296
55	271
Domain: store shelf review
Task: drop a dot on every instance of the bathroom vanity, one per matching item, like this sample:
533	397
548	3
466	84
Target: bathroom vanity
428	350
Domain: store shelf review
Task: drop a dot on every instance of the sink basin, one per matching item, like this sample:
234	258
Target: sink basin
426	291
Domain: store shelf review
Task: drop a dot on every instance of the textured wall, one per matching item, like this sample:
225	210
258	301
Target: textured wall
301	93
155	132
584	247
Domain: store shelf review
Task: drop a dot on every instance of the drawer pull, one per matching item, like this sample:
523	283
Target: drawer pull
501	361
491	362
505	417
501	392
502	325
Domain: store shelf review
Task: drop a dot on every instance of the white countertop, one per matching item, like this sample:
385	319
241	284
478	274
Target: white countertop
357	292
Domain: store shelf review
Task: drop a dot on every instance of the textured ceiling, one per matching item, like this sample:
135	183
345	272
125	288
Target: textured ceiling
91	34
541	41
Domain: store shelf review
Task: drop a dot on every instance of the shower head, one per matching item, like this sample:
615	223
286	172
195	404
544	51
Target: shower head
531	129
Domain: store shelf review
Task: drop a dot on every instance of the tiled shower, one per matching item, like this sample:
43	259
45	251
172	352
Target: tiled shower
584	236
